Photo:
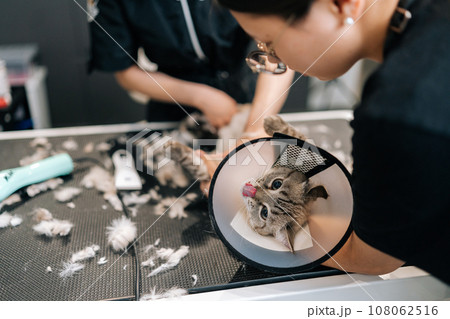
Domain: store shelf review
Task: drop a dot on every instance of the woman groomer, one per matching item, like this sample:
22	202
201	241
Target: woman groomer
401	142
199	50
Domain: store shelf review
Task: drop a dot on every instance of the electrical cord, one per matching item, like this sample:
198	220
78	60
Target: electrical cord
137	287
135	252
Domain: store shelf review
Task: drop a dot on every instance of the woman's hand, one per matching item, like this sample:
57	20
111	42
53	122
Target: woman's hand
217	105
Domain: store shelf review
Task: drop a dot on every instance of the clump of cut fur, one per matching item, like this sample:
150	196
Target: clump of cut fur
175	206
121	233
6	219
48	226
172	259
133	198
88	148
133	201
53	227
15	221
103	181
66	194
88	252
50	184
103	147
173	292
102	261
41	214
70	144
70	269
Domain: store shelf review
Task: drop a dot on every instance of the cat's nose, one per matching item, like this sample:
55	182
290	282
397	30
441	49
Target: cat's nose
248	190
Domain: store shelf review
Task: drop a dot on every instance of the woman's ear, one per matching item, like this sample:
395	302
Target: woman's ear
348	9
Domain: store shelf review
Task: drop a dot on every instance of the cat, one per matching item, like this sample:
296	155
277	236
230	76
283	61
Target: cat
277	203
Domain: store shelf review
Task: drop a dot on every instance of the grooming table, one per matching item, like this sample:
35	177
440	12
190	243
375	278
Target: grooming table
25	255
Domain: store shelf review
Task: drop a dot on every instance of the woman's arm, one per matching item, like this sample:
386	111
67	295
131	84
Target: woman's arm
218	106
270	94
357	256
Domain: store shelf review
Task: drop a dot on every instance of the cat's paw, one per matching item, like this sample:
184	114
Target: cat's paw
274	123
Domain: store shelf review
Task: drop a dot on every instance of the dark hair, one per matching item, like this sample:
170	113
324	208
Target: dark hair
283	8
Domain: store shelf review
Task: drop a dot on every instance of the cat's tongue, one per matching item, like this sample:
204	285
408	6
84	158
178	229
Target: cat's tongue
248	190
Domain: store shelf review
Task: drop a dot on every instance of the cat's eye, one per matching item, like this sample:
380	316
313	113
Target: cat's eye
277	183
264	212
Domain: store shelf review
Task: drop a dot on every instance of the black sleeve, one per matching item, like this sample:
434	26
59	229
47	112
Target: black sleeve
113	44
401	186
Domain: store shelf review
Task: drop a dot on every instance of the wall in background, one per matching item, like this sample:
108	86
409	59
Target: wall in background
60	29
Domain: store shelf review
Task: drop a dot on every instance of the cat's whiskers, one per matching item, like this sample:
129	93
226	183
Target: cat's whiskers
281	207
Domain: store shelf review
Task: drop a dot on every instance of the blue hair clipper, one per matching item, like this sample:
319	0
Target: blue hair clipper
14	179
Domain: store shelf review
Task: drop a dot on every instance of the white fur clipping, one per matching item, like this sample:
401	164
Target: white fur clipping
149	262
35	189
121	233
71	205
103	181
103	147
40	154
41	142
134	198
89	147
14	198
53	227
134	210
6	219
164	253
133	201
194	280
157	242
174	206
173	260
102	261
69	269
15	221
49	269
41	214
114	201
70	144
66	194
173	292
88	252
99	178
147	248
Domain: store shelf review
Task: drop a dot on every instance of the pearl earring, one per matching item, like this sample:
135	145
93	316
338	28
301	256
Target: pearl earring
349	21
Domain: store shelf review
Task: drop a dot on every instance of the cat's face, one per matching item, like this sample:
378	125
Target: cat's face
277	203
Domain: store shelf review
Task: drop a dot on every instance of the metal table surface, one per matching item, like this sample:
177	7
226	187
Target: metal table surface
25	256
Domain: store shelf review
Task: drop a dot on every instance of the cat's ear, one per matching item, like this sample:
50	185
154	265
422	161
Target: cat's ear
285	236
316	192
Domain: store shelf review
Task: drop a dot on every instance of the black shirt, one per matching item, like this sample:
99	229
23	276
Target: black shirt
401	145
160	28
